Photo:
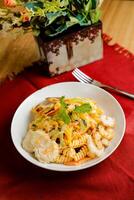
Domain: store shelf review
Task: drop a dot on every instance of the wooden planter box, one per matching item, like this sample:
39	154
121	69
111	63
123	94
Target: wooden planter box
73	49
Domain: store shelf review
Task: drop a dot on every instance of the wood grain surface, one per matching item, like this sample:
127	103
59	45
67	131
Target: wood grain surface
118	22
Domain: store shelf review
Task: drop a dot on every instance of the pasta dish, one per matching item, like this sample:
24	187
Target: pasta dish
68	131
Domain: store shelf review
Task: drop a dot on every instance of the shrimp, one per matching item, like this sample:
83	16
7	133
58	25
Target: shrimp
107	121
92	147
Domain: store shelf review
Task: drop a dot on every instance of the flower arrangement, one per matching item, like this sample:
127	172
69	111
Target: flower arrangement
68	32
51	17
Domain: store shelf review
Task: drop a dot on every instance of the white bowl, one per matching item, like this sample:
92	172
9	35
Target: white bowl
68	89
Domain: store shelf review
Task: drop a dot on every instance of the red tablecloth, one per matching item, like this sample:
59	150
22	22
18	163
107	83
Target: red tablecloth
112	179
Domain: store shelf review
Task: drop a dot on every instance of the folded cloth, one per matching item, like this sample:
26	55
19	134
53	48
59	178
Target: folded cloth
111	179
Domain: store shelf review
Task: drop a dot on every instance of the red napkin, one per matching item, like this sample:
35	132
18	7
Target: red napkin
112	179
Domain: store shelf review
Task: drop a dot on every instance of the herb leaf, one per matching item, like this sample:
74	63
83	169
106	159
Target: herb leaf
86	107
63	104
63	115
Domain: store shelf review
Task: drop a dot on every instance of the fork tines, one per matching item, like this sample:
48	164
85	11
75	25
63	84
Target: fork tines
81	76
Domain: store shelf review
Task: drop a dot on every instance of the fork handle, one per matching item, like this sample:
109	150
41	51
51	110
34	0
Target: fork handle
118	91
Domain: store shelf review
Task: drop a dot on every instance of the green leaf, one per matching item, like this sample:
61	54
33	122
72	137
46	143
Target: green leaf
53	16
64	3
95	15
94	3
86	107
82	21
63	115
88	6
33	5
60	29
63	104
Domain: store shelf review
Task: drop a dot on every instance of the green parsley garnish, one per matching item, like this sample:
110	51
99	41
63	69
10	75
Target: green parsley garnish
62	114
86	107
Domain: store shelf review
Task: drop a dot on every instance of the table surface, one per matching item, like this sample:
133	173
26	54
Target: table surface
112	179
118	18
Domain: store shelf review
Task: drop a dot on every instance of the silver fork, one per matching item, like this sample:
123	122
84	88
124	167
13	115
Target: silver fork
79	75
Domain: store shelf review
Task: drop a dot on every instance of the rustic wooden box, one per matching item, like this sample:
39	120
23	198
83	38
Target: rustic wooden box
76	48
